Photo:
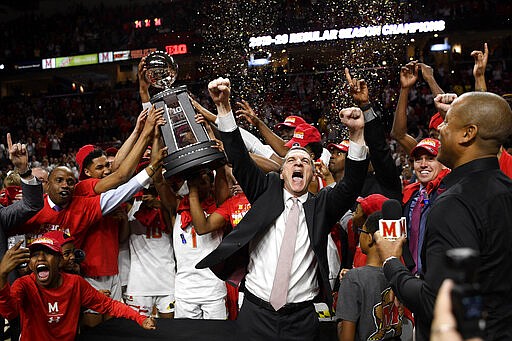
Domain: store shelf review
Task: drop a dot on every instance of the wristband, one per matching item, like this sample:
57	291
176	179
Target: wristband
26	173
369	114
366	106
152	168
388	259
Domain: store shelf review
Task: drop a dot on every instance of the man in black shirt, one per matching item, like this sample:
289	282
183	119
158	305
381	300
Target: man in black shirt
475	211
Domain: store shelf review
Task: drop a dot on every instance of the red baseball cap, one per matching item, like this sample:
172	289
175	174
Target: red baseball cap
61	237
435	121
429	144
111	151
48	242
291	122
80	157
343	146
371	203
303	135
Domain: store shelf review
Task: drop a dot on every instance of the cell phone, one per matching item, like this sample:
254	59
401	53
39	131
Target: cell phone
467	300
11	241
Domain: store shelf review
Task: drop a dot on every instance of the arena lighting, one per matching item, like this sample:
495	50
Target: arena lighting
441	47
147	22
176	49
348	33
258	61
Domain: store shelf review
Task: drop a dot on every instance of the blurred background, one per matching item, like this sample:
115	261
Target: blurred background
68	69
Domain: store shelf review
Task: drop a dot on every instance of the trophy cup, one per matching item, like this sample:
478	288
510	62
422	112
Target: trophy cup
189	147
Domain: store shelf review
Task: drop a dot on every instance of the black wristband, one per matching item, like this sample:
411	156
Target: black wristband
25	174
366	107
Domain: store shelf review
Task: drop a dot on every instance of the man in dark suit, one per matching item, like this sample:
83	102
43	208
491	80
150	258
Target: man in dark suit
474	212
282	281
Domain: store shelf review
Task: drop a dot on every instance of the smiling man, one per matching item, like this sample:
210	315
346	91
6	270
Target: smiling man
49	301
419	196
281	243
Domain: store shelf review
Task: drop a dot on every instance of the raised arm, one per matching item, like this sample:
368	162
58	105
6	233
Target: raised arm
202	224
143	83
428	76
167	196
130	141
265	164
343	195
207	114
111	199
408	77
252	143
250	177
270	137
479	68
144	97
380	153
129	164
32	200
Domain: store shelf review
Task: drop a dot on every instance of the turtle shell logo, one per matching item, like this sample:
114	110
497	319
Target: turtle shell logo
387	317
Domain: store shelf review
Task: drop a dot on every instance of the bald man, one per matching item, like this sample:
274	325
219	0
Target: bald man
475	211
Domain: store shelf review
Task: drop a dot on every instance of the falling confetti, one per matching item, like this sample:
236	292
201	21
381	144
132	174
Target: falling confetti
305	79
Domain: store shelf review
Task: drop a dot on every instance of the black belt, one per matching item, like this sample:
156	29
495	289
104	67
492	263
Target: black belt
286	309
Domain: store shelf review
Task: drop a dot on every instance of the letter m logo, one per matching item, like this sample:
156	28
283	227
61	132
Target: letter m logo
53	308
389	228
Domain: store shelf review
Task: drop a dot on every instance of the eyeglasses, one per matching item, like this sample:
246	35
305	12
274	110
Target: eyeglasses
362	231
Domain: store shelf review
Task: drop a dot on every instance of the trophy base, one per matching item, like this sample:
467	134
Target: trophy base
191	159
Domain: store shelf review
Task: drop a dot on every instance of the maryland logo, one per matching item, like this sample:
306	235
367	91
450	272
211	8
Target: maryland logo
387	317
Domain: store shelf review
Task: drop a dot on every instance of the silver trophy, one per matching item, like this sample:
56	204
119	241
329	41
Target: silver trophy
189	146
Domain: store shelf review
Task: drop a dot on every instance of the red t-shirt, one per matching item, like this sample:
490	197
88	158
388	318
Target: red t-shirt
101	243
506	163
52	314
234	208
101	246
76	219
85	188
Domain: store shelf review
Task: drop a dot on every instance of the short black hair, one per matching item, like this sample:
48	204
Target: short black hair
316	148
91	156
372	222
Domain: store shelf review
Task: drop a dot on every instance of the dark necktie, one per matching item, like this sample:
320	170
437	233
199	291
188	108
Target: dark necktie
415	229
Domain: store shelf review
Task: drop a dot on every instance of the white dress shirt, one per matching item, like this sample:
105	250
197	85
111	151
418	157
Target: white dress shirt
264	253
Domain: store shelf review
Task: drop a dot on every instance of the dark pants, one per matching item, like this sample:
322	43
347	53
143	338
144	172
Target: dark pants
259	322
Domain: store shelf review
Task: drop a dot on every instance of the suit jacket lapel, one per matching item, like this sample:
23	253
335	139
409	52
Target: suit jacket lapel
309	211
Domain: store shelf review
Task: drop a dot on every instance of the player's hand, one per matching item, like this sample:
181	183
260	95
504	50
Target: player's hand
149	323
